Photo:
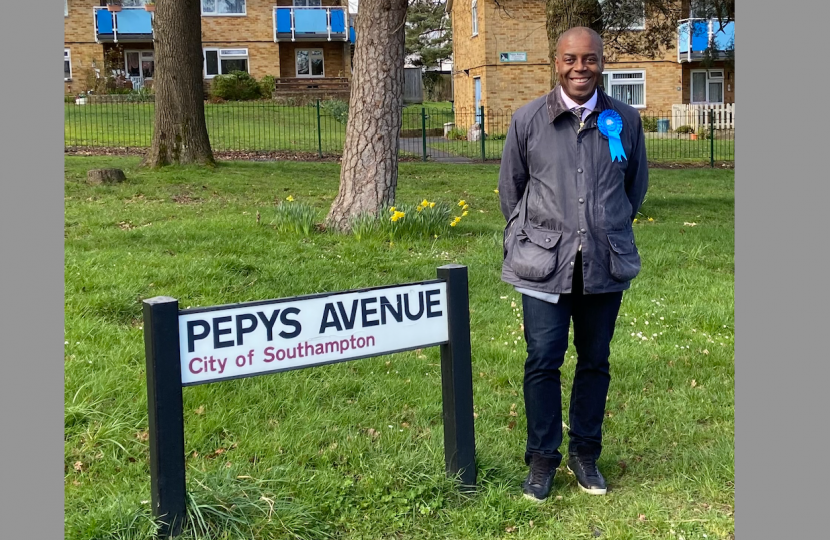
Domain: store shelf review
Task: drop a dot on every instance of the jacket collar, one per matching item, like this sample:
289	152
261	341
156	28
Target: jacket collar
556	106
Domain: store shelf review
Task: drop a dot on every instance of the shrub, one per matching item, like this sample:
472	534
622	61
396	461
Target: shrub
497	136
69	98
424	219
703	132
266	86
684	129
649	124
337	108
235	86
459	134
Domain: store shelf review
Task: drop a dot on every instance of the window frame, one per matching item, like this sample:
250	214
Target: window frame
219	57
709	79
474	17
67	57
294	4
310	74
608	75
215	14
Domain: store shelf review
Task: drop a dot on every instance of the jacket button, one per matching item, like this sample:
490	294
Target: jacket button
582	231
632	241
572	263
579	170
581	200
547	239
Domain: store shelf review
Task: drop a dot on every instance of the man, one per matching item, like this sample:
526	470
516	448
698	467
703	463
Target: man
573	176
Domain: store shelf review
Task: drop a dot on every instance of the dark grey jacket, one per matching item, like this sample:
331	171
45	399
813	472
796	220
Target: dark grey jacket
559	189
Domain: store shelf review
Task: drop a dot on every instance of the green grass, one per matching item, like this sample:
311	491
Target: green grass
290	455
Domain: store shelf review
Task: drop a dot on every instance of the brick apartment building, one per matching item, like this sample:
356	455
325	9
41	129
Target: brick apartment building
298	41
501	62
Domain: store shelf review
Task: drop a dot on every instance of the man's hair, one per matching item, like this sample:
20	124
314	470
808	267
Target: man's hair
576	30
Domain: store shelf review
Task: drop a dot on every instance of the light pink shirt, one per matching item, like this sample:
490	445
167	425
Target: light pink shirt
589	105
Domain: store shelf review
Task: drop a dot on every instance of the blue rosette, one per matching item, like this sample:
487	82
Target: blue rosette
610	124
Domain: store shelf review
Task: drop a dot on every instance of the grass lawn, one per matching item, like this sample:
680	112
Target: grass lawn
355	450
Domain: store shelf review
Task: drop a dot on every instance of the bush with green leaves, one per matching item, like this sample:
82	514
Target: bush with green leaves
684	129
267	85
459	134
294	217
235	86
649	124
428	219
337	108
497	136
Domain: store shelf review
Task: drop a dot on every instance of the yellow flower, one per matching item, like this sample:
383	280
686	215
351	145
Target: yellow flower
432	205
465	207
651	219
425	203
495	191
419	208
289	198
462	202
435	236
457	219
397	215
464	214
635	220
453	224
392	209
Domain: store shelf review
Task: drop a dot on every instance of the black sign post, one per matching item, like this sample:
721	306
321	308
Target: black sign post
166	415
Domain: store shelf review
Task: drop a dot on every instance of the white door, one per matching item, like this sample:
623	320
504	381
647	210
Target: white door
310	63
139	66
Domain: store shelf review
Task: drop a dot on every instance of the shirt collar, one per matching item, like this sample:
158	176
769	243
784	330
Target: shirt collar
556	105
571	104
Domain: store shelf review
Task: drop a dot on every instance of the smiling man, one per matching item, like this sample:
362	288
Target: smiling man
573	176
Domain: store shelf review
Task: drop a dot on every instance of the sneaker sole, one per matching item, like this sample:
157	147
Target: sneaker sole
590	491
532	498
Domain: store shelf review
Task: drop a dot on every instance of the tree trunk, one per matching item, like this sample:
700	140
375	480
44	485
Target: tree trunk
565	14
369	168
179	133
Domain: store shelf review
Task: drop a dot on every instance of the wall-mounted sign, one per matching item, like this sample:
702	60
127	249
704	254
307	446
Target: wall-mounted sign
513	57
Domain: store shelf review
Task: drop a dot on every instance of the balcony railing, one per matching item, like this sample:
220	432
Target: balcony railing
310	24
695	35
130	24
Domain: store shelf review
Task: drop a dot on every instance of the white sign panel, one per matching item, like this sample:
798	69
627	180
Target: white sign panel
228	342
513	57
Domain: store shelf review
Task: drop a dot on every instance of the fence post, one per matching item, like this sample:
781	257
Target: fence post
165	413
712	138
483	157
424	132
457	380
319	132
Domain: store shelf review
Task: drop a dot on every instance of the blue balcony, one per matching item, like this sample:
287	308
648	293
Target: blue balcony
131	24
695	35
310	24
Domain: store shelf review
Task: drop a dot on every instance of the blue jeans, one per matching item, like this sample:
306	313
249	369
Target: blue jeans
546	333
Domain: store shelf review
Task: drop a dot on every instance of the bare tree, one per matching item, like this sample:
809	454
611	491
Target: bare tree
369	168
179	132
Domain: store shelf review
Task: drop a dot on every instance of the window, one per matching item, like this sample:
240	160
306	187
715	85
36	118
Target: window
310	63
308	3
139	64
626	86
474	16
67	65
629	14
707	86
223	7
223	61
133	3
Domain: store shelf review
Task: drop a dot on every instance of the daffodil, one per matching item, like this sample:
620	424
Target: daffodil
419	208
495	191
464	214
289	198
425	203
635	220
432	205
453	224
651	219
465	207
456	220
392	210
462	202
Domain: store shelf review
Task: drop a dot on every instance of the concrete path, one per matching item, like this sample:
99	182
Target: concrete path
416	146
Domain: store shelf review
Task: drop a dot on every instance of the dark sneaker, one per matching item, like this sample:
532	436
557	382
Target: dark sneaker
587	475
540	478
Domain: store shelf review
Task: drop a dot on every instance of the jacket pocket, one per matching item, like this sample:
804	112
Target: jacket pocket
625	259
534	254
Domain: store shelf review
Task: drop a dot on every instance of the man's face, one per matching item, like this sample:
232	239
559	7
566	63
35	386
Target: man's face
579	66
